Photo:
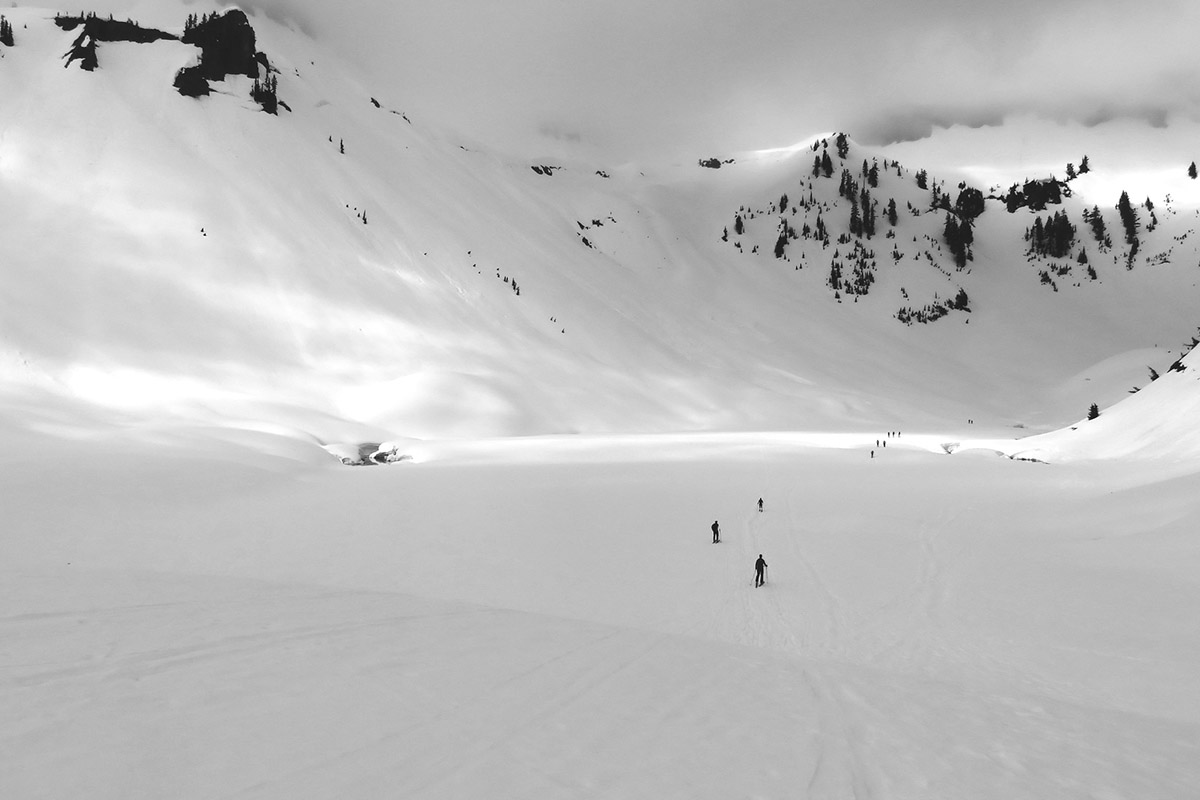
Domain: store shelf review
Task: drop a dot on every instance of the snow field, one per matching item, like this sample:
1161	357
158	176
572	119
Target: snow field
549	616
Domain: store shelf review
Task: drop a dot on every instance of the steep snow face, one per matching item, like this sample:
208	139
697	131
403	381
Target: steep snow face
199	259
1158	421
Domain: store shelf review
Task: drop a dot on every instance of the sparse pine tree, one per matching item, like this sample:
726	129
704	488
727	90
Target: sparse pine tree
846	187
1084	166
843	146
1097	222
1128	219
950	232
265	94
1093	411
1070	171
966	232
868	213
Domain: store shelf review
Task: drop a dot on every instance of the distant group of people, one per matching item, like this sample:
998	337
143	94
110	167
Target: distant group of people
760	565
881	443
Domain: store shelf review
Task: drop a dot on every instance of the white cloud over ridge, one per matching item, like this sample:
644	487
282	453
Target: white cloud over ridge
677	77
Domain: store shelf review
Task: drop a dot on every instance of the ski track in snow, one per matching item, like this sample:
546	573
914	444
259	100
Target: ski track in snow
571	632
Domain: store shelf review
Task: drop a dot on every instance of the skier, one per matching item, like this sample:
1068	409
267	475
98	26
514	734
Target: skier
759	566
760	505
716	529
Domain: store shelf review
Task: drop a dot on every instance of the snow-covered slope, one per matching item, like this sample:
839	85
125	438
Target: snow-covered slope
200	302
187	614
1158	421
198	258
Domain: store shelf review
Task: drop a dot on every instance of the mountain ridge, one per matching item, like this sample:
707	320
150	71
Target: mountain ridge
349	260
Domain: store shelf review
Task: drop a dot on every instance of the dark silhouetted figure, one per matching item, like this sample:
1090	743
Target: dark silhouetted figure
760	505
759	567
716	529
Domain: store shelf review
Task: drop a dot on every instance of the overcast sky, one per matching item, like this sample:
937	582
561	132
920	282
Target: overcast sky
667	76
672	78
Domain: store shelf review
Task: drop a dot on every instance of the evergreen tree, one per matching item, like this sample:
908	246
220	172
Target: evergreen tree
1093	411
1053	238
1036	236
738	225
1097	222
1128	219
1083	166
6	32
952	237
1192	170
873	176
1070	171
826	164
265	94
843	146
868	213
966	232
922	179
892	217
847	188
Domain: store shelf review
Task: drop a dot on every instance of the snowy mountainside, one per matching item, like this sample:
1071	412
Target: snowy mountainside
1159	420
197	257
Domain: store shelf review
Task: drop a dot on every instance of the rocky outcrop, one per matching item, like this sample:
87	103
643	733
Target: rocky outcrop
227	47
96	30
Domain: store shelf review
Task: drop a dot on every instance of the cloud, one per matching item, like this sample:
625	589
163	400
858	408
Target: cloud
674	78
